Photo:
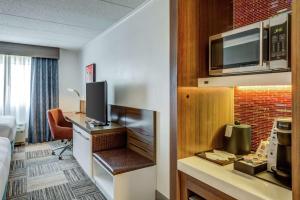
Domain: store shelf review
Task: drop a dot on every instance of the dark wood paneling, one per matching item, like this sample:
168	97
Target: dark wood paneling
190	185
141	132
197	20
141	129
111	140
117	114
220	16
296	98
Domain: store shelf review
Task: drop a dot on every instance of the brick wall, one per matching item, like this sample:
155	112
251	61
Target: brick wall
250	11
258	106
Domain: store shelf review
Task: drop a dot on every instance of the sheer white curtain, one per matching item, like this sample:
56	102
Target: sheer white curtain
15	72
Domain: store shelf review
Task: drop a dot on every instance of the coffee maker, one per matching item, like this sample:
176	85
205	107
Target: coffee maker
282	167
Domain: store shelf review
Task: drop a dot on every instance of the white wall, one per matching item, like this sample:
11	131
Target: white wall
133	57
70	76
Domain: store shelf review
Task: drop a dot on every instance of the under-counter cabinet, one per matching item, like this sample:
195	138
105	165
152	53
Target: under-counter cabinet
191	187
213	182
82	149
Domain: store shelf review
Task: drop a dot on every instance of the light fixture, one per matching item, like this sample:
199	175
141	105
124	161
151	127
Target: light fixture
74	91
81	103
265	87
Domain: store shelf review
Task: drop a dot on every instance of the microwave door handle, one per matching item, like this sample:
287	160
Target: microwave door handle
261	44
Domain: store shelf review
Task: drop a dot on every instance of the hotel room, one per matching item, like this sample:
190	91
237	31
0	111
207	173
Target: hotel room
149	99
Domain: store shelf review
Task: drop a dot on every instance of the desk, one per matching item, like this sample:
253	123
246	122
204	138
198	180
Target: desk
87	140
120	158
79	120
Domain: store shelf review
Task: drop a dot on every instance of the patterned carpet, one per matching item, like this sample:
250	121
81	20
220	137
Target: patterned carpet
37	175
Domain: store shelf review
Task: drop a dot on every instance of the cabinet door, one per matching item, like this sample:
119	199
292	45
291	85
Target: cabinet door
82	149
190	187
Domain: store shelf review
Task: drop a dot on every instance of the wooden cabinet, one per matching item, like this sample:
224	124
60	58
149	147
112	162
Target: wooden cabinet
190	186
192	22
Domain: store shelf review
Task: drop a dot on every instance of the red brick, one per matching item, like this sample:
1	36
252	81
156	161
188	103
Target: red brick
250	11
259	108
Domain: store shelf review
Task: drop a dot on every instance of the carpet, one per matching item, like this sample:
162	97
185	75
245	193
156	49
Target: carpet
35	174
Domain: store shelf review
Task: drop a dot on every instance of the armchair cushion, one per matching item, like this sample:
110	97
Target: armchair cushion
59	126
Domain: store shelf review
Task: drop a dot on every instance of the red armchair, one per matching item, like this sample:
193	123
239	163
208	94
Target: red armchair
60	128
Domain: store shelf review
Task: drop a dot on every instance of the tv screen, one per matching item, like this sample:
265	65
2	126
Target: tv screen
96	102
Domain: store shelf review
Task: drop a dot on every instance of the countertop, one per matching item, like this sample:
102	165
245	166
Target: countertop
80	119
231	182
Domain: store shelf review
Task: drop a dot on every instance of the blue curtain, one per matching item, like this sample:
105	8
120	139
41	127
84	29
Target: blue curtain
44	96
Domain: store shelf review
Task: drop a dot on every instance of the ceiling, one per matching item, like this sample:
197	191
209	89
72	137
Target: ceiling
65	24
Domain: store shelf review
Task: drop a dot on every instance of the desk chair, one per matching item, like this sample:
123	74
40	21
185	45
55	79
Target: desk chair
61	129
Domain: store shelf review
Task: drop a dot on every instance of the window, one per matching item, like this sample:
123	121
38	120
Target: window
15	72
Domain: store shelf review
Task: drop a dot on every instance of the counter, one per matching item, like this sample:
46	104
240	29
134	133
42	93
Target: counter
231	182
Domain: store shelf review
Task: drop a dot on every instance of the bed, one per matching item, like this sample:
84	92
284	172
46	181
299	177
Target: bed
5	158
8	127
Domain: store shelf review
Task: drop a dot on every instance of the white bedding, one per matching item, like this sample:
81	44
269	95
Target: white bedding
8	127
5	158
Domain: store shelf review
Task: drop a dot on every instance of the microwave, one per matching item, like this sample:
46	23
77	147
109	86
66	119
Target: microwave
257	48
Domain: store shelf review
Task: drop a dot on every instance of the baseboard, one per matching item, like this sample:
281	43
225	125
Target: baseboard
160	196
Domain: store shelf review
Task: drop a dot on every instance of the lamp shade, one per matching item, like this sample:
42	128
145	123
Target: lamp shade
74	91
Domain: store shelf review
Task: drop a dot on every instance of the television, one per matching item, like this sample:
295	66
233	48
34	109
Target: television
96	102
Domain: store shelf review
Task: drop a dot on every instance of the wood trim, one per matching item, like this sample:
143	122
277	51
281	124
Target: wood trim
173	97
296	98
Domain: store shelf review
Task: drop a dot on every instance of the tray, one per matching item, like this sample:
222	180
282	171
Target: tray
219	162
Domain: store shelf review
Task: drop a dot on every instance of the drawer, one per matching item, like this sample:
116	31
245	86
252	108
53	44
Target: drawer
81	131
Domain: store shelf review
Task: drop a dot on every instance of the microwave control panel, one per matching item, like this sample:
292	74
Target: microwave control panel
279	42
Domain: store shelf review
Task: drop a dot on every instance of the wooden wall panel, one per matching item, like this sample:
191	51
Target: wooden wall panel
190	13
296	98
202	115
197	20
220	16
192	22
140	128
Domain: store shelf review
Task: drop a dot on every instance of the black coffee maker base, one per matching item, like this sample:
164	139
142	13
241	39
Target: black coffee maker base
282	176
269	177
